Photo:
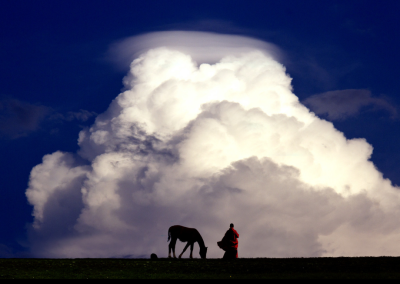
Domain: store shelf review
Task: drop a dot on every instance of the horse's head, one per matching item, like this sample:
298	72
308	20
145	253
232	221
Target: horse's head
203	252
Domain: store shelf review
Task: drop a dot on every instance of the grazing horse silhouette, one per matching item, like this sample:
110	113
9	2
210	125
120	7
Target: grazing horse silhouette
188	235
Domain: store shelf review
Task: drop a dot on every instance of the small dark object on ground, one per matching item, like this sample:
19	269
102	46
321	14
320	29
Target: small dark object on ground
153	256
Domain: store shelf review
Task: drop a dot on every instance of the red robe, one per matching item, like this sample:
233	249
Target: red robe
229	242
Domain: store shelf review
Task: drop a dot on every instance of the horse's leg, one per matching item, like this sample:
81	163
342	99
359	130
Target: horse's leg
169	250
172	247
191	250
187	245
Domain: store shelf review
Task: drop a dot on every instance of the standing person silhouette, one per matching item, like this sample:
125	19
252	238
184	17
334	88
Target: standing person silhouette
230	243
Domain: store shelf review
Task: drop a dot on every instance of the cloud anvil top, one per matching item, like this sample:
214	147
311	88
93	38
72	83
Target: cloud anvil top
198	137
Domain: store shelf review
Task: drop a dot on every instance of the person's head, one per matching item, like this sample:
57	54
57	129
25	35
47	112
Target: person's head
232	226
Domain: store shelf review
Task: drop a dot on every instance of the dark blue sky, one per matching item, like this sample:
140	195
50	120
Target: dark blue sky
54	71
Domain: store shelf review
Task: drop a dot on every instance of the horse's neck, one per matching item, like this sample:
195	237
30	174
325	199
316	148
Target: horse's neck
200	240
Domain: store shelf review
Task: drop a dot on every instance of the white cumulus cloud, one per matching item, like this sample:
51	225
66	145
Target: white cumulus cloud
208	144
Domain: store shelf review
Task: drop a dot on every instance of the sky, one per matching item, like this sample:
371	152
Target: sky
69	109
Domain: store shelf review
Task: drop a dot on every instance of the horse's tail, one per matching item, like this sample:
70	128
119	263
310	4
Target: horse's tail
169	234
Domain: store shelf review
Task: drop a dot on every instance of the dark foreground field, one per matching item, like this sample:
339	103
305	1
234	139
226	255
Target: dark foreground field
363	267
